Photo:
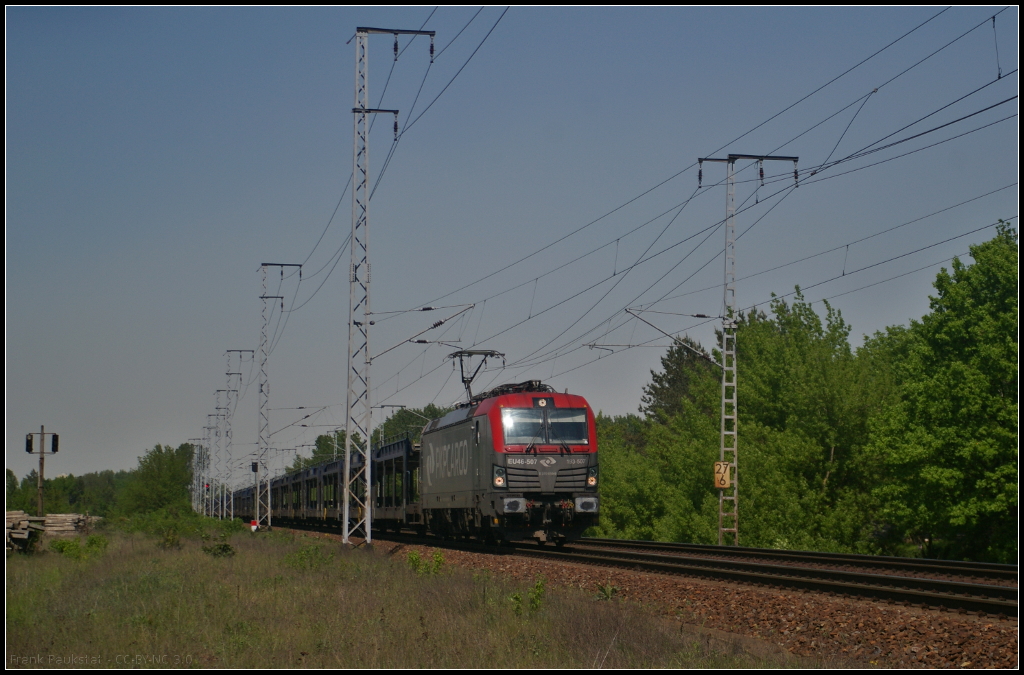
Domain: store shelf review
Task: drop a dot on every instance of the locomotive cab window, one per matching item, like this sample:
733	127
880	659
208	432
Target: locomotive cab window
568	425
525	426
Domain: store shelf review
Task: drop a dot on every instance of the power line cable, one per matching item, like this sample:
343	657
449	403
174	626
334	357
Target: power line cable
679	173
800	290
841	246
863	99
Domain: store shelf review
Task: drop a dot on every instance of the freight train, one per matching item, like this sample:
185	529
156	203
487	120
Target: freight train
518	462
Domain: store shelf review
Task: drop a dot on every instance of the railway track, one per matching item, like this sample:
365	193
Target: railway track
886	579
947	570
799	572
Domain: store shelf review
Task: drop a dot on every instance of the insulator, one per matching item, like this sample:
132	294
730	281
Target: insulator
396	127
700	176
761	171
427	309
437	323
396	46
431	48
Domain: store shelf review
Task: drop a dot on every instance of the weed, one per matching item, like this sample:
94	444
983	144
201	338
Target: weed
96	543
69	548
517	603
425	567
170	539
437	562
606	591
536	595
219	550
309	558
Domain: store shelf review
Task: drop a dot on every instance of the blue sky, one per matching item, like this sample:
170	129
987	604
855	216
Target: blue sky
155	157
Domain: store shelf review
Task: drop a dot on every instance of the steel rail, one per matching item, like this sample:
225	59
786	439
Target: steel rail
913	590
951	567
935	593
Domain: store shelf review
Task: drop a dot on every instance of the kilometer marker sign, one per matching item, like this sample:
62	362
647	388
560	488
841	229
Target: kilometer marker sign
723	479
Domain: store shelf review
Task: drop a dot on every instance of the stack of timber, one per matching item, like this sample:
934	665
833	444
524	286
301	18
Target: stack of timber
19	529
21	525
67	524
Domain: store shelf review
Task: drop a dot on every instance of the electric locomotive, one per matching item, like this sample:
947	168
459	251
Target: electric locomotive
515	463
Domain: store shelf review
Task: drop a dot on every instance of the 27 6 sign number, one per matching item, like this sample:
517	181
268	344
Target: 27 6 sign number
723	478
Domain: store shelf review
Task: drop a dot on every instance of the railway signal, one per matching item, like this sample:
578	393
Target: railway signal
29	448
727	481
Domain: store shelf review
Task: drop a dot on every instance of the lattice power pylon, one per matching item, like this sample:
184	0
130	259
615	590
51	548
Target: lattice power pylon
232	378
356	512
197	471
727	467
209	435
262	501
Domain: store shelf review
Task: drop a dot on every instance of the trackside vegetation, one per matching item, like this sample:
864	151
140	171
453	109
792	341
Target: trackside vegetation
282	600
906	445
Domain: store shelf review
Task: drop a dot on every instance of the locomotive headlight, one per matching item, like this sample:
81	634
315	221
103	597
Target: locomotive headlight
592	477
499	476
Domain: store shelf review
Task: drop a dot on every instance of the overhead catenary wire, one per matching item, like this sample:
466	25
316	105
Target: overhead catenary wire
409	124
339	253
681	172
887	82
535	279
840	276
847	244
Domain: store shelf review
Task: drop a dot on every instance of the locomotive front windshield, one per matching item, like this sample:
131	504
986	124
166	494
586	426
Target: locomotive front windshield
548	426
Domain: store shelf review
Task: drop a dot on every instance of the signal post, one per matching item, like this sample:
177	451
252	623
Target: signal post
54	446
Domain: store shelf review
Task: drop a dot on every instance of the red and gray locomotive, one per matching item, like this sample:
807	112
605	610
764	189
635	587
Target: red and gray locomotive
517	462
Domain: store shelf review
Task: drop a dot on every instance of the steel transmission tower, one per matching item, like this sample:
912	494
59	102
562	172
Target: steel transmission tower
223	466
727	467
231	375
357	492
197	464
262	500
209	430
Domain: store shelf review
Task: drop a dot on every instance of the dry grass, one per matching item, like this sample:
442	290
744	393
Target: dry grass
288	601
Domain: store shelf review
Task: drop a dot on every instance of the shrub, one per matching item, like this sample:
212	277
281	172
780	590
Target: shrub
308	558
221	550
69	548
426	567
96	543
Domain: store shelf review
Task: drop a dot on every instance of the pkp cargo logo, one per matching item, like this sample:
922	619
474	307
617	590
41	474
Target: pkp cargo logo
445	461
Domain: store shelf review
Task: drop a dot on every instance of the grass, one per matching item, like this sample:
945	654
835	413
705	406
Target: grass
281	600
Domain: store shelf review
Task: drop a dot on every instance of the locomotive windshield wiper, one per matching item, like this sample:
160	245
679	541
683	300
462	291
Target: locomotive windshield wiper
533	443
561	443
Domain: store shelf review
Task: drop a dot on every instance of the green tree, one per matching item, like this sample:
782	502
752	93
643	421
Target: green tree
12	487
161	480
947	449
325	449
683	364
408	420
